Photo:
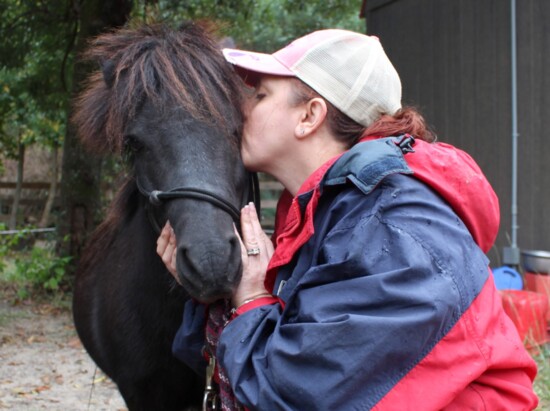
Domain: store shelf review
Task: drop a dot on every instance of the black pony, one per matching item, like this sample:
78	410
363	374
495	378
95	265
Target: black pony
167	99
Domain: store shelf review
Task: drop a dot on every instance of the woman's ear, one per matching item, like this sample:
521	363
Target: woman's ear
313	117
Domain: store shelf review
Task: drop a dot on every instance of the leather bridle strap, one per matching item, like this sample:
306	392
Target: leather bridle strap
157	198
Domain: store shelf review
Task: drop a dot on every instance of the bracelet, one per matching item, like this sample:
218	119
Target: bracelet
250	300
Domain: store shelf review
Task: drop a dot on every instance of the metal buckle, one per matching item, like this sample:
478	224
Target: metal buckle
405	143
210	398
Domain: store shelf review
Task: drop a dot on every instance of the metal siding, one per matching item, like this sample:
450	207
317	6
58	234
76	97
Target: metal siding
454	61
534	123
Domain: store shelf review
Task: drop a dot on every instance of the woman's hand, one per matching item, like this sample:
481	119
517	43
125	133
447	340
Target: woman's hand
256	251
167	249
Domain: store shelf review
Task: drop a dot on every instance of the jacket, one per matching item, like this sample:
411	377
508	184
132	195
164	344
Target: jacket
384	296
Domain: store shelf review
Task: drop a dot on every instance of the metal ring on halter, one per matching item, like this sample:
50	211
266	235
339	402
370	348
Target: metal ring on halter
253	251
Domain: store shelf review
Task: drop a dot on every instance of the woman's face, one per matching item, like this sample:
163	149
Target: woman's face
270	123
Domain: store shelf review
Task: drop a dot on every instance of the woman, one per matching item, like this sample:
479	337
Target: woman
378	294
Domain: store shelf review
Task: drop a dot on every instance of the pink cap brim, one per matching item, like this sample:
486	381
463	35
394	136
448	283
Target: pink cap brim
256	62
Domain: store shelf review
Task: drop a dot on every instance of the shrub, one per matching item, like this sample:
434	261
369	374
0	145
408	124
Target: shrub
31	267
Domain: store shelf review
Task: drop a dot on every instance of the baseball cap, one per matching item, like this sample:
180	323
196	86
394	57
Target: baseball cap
351	70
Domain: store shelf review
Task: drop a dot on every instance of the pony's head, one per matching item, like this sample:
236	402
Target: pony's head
169	101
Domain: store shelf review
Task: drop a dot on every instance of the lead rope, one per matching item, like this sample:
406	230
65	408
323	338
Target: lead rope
92	388
222	395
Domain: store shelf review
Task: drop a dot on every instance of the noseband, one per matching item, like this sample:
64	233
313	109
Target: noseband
158	197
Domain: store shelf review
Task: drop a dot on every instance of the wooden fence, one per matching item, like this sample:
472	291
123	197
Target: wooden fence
33	198
34	195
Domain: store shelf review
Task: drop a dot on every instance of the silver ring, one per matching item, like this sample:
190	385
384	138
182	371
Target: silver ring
253	251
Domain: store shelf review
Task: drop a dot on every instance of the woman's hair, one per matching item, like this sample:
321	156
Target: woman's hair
406	121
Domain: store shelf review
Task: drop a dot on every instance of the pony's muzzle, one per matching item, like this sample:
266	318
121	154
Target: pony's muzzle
210	270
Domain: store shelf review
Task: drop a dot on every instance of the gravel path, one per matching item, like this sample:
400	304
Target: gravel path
44	365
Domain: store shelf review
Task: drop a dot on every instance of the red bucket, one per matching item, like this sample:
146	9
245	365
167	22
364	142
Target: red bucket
539	283
528	311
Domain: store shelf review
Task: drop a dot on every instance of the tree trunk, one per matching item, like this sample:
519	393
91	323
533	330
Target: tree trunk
45	219
12	224
80	181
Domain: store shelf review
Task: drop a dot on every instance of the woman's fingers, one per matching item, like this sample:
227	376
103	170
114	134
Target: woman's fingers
249	238
167	249
255	254
253	235
265	244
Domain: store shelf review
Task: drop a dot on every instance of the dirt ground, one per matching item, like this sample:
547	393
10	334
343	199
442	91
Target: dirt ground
44	366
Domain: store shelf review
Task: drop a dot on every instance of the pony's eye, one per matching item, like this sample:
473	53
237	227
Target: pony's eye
132	145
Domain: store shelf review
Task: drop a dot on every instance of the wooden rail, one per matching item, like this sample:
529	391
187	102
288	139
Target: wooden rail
31	202
270	191
26	185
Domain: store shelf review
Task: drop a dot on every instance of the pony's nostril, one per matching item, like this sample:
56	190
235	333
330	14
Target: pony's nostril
234	245
183	259
210	265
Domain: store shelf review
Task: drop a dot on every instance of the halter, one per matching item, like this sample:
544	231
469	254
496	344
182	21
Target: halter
158	197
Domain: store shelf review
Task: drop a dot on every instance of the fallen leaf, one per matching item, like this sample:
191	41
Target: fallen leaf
42	388
36	338
7	339
74	343
100	379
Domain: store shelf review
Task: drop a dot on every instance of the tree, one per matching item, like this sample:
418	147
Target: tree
80	184
22	123
40	40
263	25
31	98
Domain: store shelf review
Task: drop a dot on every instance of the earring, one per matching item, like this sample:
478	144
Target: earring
302	131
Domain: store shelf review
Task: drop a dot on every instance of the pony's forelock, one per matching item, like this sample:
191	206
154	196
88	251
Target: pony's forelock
182	68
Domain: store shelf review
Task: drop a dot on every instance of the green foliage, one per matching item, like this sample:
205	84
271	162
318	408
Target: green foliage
542	382
30	268
33	57
22	119
41	269
262	25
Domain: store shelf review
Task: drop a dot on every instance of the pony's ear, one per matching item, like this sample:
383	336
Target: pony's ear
108	70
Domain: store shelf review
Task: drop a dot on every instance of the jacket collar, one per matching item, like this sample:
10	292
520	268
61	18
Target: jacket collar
364	165
367	163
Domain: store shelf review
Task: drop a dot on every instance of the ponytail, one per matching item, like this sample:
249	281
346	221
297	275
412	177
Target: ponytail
406	121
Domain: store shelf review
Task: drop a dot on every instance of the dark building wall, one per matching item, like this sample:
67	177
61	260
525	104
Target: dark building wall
454	58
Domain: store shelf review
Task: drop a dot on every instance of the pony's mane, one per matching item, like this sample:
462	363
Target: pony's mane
178	68
124	205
